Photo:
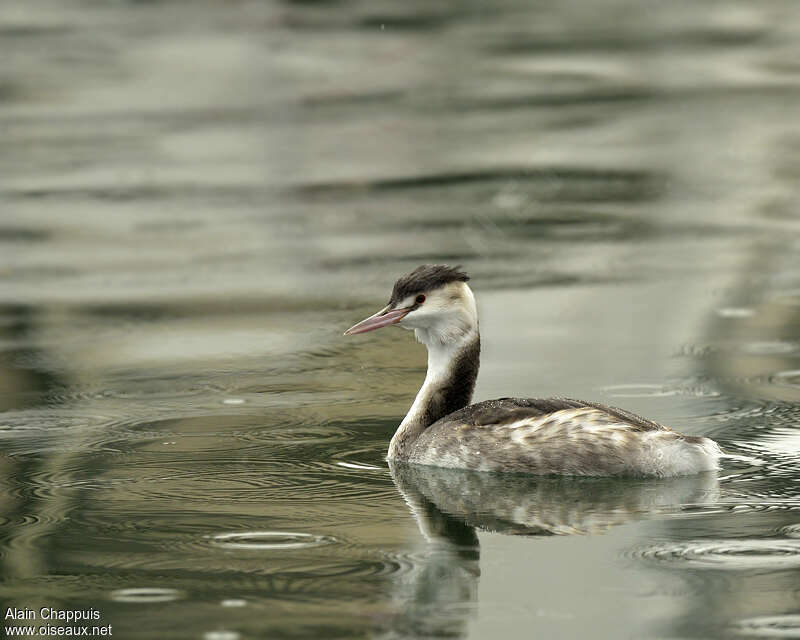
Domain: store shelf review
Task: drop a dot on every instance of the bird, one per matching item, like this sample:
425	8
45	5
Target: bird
543	436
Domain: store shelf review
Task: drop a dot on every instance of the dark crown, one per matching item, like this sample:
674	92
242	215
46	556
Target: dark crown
425	278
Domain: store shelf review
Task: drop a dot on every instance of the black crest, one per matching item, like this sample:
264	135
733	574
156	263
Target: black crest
425	278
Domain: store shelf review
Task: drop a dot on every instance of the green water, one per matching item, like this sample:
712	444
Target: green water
197	198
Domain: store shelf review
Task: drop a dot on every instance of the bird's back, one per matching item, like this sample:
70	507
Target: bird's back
560	436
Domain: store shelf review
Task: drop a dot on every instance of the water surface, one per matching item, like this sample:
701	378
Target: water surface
196	199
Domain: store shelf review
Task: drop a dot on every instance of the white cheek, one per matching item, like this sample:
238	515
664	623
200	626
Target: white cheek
424	318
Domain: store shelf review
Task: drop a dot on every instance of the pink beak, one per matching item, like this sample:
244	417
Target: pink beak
383	318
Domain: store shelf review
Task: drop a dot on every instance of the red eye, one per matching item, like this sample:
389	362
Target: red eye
420	299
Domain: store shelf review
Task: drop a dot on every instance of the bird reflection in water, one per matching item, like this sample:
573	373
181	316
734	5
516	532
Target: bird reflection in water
451	505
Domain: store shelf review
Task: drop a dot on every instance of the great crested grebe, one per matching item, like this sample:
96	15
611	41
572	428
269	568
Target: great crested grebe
520	435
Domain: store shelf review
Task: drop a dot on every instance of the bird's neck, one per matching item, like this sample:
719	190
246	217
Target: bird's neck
448	387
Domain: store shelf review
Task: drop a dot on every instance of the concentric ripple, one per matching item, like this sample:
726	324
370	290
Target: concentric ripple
269	540
725	554
785	626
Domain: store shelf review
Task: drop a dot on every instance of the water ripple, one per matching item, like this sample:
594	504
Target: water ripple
251	485
269	540
639	390
768	554
651	390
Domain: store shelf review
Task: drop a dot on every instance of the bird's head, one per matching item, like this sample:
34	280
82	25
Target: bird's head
434	300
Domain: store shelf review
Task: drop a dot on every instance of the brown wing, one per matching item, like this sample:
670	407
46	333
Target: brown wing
555	435
508	410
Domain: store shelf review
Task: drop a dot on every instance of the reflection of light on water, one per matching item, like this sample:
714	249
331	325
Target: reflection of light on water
146	594
781	440
638	390
221	635
735	312
785	626
789	378
651	390
353	465
769	347
234	602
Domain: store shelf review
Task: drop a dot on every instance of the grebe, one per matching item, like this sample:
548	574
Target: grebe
557	436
